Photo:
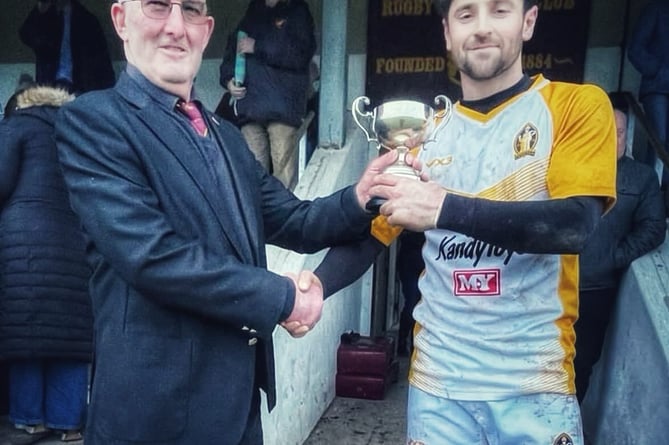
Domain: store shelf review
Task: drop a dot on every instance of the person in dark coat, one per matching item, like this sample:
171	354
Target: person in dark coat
635	226
45	311
178	214
271	100
82	65
410	265
648	51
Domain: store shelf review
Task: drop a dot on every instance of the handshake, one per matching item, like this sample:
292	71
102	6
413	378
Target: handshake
308	304
408	203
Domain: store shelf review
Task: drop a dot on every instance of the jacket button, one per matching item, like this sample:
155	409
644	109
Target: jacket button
253	341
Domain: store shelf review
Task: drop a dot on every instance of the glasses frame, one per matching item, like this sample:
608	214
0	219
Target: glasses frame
200	20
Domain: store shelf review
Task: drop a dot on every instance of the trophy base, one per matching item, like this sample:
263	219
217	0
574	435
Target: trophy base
402	170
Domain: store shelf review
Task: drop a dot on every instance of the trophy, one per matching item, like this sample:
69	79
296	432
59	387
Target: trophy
400	125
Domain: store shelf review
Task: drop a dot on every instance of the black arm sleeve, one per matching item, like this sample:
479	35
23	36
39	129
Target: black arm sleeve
559	226
346	263
551	226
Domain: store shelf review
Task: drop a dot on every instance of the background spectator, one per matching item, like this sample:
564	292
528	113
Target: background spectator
272	100
45	312
409	266
648	52
69	45
634	227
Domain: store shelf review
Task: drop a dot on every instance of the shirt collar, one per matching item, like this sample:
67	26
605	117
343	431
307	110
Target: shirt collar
485	105
161	96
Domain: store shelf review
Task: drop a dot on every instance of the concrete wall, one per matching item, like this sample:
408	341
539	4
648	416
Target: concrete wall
306	367
627	401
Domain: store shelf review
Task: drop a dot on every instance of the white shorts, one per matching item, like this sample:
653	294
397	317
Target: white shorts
537	419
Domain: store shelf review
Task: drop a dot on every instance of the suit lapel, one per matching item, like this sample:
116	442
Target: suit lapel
221	196
239	183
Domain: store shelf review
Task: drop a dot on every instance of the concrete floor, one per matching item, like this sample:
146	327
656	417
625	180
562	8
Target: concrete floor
347	421
366	422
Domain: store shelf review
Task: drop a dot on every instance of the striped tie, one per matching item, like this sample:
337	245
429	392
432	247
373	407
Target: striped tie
194	116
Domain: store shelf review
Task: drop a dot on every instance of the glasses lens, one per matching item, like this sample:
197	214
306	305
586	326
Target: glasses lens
156	9
192	11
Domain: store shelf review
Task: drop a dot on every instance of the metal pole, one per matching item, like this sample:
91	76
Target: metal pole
332	99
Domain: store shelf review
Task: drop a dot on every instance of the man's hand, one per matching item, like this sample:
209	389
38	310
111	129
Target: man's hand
246	45
236	91
373	169
308	304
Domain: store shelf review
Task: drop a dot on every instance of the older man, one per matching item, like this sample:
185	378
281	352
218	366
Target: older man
178	211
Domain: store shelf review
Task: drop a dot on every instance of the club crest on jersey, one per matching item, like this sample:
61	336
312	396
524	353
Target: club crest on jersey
525	142
563	439
476	283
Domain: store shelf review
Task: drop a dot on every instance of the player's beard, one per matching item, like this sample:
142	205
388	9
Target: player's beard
487	69
480	69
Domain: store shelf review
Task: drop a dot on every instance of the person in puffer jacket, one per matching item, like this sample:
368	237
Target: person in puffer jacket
46	322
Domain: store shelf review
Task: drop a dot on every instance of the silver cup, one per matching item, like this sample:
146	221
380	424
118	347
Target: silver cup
400	125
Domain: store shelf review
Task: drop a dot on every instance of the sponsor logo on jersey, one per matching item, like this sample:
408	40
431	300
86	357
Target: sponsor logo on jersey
447	160
476	283
525	142
473	249
563	439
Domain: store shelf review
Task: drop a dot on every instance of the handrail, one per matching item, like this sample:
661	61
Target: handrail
306	121
301	139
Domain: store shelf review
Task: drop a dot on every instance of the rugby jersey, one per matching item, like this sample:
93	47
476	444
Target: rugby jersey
493	323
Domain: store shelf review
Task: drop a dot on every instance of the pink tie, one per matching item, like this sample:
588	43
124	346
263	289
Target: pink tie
194	116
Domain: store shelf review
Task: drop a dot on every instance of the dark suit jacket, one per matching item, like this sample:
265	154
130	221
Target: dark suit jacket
179	266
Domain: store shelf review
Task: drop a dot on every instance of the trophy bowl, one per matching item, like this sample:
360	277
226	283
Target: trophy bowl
400	125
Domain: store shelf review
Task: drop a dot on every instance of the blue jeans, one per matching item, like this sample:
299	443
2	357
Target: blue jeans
48	392
656	107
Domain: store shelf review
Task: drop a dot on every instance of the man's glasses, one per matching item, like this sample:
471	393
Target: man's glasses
193	12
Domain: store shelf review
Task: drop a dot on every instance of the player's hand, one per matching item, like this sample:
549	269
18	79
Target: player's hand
414	205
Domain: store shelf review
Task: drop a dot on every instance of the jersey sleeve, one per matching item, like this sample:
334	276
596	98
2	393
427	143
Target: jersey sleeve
583	158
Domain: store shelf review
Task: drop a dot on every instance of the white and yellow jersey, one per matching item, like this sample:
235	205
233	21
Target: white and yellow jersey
494	323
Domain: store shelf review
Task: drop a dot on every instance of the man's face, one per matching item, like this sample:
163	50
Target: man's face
621	132
169	51
485	37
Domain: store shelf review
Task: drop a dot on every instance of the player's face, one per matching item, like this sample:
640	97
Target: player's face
485	37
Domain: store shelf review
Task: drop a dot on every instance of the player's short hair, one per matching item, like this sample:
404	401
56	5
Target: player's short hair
443	5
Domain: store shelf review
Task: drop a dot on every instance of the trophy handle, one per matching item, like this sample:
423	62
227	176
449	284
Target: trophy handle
358	114
444	114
